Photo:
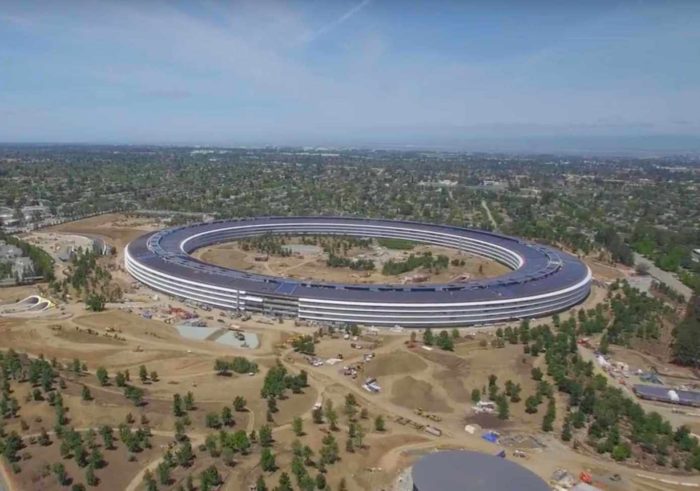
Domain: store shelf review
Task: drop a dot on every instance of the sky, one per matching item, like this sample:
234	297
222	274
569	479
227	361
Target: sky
352	72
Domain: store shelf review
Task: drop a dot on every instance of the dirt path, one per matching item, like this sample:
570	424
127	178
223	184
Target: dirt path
488	214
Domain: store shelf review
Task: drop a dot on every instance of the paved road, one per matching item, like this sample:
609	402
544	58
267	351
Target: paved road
664	276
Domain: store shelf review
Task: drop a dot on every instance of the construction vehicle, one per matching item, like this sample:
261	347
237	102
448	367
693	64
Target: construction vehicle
586	477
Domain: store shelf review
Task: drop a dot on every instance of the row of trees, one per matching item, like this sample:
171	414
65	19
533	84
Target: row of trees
425	260
356	264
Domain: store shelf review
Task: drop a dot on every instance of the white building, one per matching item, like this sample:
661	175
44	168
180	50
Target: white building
695	255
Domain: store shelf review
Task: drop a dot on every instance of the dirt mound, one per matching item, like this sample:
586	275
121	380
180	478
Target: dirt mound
395	363
452	362
487	421
453	385
412	393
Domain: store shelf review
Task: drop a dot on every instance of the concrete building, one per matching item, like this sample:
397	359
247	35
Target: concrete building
542	280
695	255
9	252
22	267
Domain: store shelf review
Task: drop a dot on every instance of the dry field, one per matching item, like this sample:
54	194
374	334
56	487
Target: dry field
313	265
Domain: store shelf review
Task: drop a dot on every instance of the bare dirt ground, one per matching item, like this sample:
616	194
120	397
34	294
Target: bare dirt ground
312	265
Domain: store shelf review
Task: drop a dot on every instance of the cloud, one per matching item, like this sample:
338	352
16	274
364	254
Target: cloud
312	36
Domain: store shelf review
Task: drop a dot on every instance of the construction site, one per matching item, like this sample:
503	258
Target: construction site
425	395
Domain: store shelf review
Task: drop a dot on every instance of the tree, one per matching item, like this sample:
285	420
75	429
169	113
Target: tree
444	341
213	421
476	395
241	442
502	406
177	406
184	454
143	374
149	482
285	483
44	439
189	401
154	376
209	478
531	404
226	416
85	393
566	431
536	374
265	436
107	437
317	415
59	471
260	484
428	338
621	452
379	423
331	415
102	376
604	346
272	404
298	426
163	471
96	460
222	367
90	476
134	394
120	379
96	303
515	393
239	403
267	460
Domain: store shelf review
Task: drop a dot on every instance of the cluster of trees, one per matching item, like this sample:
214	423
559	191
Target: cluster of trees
670	250
267	243
634	313
608	419
443	340
425	260
238	364
686	343
88	280
337	245
356	264
608	237
278	381
304	344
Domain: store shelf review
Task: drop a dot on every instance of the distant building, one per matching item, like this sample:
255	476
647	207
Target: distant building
102	248
35	213
695	255
66	254
22	267
9	252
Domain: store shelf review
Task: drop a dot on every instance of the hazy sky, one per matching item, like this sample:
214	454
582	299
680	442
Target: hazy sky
324	71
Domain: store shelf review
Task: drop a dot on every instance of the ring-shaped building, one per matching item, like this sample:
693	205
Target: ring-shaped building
542	280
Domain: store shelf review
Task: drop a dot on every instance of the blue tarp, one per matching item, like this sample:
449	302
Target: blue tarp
490	437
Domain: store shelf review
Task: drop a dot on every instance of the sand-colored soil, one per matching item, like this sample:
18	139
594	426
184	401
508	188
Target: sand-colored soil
413	393
395	363
313	265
